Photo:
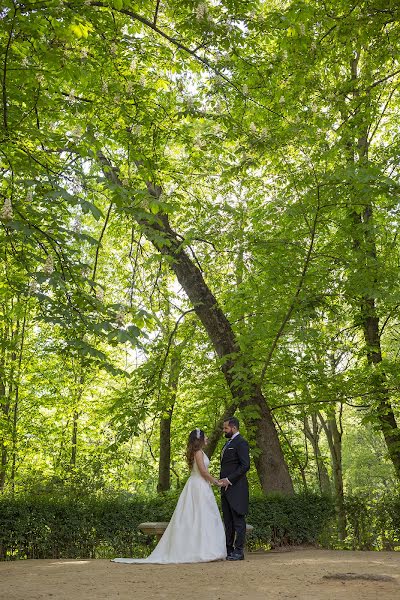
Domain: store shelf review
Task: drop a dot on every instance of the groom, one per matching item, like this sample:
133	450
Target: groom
235	462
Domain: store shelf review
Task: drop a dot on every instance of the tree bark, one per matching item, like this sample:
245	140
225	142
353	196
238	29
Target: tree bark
364	244
6	392
371	331
334	437
78	392
312	434
4	407
3	459
164	465
16	404
74	439
268	456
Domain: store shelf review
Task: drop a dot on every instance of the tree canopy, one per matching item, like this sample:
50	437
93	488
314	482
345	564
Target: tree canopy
200	215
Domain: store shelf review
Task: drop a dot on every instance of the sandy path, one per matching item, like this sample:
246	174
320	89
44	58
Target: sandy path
297	574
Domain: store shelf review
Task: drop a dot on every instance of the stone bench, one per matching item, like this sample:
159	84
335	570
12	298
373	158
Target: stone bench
158	529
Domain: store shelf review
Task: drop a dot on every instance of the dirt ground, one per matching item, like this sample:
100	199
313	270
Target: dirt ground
300	574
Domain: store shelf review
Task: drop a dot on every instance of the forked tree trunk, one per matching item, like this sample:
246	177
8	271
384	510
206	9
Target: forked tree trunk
268	456
334	437
312	433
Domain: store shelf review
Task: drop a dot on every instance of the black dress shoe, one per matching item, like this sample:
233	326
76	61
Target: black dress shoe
235	556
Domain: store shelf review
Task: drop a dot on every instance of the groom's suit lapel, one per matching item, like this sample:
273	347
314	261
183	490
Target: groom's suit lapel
230	443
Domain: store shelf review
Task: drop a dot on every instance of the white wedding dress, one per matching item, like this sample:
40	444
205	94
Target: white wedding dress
195	532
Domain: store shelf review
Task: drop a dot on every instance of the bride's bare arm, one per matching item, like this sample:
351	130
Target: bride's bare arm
199	458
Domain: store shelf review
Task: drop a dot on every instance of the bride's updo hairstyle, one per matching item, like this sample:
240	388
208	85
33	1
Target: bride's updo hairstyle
195	442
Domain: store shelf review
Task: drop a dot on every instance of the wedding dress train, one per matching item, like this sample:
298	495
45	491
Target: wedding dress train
195	532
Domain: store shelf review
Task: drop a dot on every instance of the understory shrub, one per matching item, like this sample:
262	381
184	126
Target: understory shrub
372	523
52	526
288	520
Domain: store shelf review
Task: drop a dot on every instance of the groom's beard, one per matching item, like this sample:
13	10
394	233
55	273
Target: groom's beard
228	435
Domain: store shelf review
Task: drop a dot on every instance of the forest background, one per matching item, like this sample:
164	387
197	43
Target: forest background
199	217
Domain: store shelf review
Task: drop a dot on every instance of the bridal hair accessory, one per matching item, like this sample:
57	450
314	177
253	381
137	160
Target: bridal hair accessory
197	433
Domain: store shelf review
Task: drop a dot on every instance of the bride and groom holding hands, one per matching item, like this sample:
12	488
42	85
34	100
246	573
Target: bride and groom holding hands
195	532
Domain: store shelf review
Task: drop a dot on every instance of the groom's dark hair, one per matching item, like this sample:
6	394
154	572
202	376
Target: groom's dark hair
233	421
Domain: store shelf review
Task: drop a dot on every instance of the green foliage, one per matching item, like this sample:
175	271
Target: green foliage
268	126
44	527
47	526
373	523
283	521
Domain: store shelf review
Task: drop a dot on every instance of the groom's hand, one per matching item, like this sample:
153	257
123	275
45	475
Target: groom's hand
225	483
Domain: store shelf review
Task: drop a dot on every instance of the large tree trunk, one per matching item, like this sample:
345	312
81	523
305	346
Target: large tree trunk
368	265
268	456
384	410
364	244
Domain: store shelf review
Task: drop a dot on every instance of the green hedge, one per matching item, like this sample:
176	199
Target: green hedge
52	526
95	527
373	523
88	527
283	520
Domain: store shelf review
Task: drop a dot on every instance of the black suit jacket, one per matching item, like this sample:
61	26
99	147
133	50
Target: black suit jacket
235	462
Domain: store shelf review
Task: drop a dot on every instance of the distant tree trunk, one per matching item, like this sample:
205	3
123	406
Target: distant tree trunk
296	459
334	437
268	456
3	466
4	406
16	404
6	393
14	439
74	438
75	421
164	465
3	459
312	434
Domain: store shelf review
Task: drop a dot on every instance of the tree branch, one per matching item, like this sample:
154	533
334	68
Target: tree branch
297	293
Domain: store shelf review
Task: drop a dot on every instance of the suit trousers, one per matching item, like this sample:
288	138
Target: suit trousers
235	526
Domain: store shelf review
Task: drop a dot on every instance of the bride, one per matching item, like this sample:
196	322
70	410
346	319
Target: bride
195	532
